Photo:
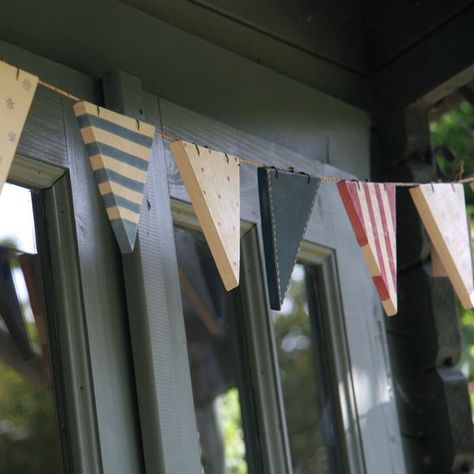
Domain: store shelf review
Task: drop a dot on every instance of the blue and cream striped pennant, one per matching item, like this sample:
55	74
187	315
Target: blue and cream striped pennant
119	151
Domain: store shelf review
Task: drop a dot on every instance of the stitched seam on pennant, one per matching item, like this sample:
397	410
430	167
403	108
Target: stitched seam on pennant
304	231
274	236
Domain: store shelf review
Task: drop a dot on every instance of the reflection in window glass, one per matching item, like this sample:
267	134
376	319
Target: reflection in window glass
213	351
17	230
309	412
29	441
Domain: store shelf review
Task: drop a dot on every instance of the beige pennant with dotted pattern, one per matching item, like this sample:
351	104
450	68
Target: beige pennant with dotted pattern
442	209
212	180
17	89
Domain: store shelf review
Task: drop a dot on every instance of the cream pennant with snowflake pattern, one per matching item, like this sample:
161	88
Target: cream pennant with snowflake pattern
17	89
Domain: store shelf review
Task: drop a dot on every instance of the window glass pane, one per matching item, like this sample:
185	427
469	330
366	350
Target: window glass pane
17	228
303	374
210	315
28	429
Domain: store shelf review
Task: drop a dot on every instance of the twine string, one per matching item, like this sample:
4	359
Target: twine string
255	163
59	91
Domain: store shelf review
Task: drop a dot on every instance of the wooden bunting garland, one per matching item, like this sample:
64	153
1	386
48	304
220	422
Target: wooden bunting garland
213	184
119	151
286	203
442	210
17	89
371	211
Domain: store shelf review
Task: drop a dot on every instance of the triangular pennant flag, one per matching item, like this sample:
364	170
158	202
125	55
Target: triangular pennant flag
442	209
17	89
371	210
286	202
119	151
212	180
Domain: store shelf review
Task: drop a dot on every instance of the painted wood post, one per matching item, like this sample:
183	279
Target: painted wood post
425	343
102	302
157	330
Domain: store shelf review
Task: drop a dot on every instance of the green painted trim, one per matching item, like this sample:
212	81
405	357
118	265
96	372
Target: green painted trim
34	173
104	301
263	359
76	378
322	260
163	381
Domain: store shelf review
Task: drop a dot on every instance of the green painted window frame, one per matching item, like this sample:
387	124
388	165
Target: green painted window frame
322	262
262	351
262	372
75	406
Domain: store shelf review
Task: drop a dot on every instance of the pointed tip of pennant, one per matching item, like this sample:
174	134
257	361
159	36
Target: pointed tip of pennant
467	302
125	233
471	301
390	307
231	281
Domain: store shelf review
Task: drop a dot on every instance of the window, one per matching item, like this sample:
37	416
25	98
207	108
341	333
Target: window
306	380
29	434
218	361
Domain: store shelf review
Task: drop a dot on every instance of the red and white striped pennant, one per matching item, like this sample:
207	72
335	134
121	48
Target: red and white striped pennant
372	212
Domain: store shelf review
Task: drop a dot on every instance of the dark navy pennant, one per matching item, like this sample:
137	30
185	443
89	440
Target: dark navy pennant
286	202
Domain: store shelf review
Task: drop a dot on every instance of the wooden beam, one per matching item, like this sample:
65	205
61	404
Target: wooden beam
432	69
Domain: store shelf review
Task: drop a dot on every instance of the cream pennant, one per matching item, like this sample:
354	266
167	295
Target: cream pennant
17	89
437	269
212	181
372	213
442	209
119	152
